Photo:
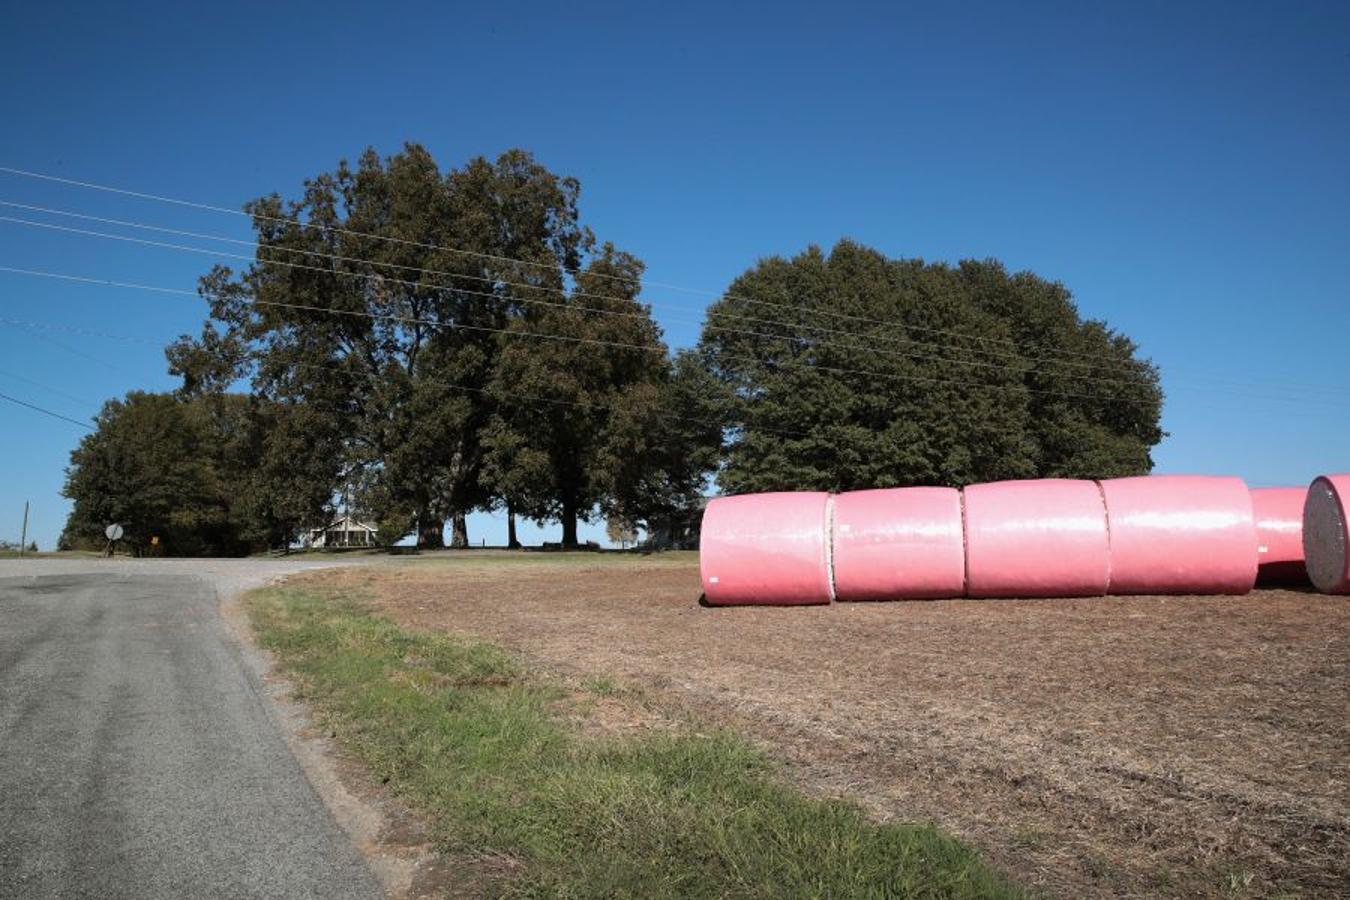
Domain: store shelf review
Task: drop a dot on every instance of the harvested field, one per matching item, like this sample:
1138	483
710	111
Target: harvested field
1137	746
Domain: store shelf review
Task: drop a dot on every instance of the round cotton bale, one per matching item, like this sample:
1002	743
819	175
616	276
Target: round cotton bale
770	549
898	544
1180	534
1042	538
1278	515
1326	533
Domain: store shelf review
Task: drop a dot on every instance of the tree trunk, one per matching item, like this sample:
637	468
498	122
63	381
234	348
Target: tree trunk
569	524
511	528
430	532
459	530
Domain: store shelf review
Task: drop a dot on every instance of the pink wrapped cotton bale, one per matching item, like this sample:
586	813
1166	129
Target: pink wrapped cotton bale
766	548
1326	533
1043	538
1180	534
898	544
1278	515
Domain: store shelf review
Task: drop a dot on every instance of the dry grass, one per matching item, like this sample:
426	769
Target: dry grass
1137	746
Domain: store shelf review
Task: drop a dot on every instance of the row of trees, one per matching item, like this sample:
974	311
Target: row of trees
427	344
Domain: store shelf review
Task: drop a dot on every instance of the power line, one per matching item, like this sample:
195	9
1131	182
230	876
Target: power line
477	254
102	282
1020	357
74	329
73	351
272	248
46	412
327	228
45	387
410	320
331	367
259	248
383	278
1094	361
21	323
641	315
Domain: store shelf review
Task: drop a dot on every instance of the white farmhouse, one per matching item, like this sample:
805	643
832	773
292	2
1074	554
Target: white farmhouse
345	532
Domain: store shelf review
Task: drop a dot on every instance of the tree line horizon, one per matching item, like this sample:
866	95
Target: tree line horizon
413	345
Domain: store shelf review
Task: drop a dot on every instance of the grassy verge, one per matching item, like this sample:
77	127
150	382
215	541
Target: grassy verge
554	558
484	748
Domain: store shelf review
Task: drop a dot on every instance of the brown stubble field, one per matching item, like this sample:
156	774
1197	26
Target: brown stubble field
1140	746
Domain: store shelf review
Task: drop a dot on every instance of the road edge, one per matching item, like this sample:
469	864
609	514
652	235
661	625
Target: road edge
367	814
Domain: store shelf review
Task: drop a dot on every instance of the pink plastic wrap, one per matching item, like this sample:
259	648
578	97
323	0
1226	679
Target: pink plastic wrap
1278	515
766	548
1326	533
1180	534
1044	538
898	544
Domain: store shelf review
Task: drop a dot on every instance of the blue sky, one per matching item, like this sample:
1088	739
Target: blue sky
1184	171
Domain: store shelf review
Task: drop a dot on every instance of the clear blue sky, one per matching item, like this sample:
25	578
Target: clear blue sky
1185	171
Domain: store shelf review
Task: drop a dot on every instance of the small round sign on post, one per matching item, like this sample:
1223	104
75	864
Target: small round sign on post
114	533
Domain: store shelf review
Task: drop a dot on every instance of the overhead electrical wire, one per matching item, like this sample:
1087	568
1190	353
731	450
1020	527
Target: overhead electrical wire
75	329
31	324
554	304
1095	363
433	322
1020	357
260	249
45	387
54	326
46	412
498	258
158	343
411	320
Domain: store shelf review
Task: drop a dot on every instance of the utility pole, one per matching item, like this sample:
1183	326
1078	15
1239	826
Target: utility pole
23	541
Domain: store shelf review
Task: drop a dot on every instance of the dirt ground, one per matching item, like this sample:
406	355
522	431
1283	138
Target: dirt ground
1139	746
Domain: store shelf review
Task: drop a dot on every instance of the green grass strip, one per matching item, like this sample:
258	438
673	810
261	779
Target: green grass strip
462	732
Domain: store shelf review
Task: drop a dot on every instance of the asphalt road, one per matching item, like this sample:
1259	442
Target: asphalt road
138	757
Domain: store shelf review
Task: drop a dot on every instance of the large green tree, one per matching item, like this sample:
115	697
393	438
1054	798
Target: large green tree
198	475
375	301
851	370
575	409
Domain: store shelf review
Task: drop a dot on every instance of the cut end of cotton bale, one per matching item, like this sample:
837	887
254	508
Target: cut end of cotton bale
1325	537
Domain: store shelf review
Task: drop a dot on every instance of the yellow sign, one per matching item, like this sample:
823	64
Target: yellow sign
154	541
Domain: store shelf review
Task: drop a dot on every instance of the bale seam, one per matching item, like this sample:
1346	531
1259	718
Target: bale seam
965	546
829	544
1106	517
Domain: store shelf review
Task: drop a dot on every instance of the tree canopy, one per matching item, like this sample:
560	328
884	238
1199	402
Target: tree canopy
418	344
594	421
454	337
202	476
851	370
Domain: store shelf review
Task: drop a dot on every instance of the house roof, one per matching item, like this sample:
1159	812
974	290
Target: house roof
347	523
